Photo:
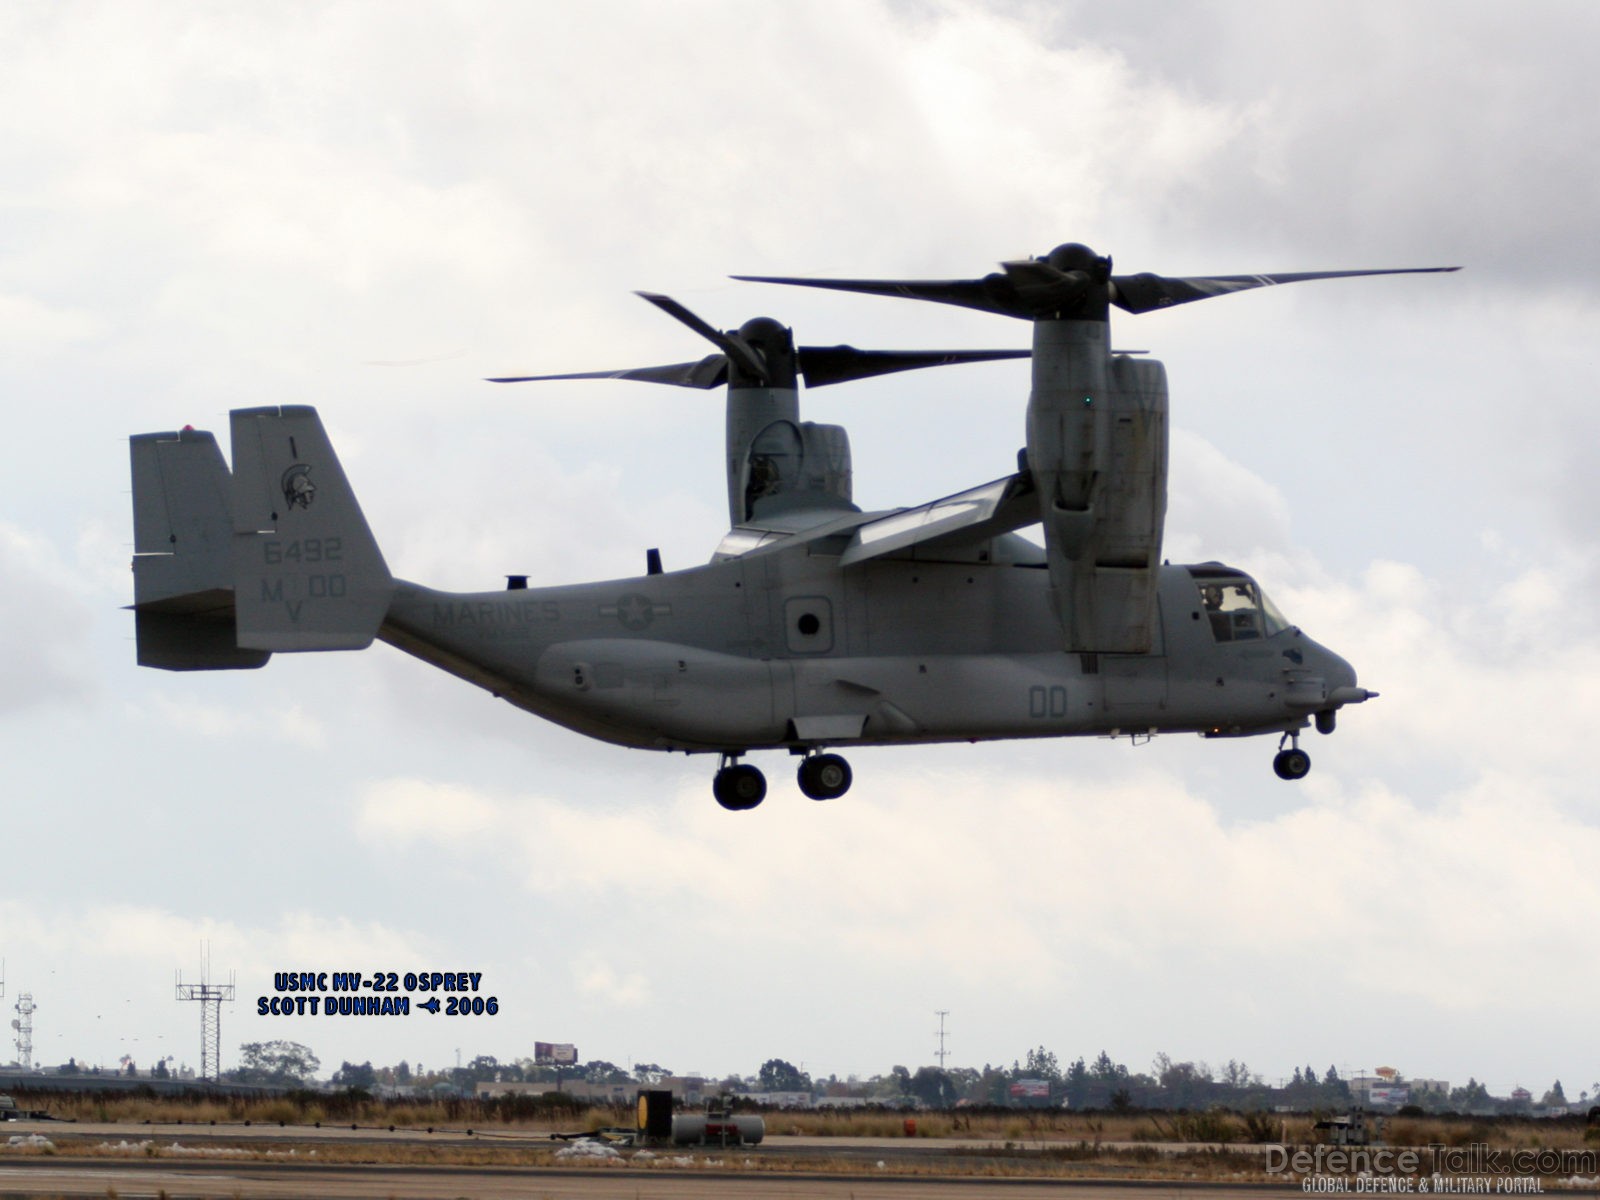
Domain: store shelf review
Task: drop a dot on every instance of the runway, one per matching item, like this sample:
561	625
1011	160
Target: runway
214	1180
190	1162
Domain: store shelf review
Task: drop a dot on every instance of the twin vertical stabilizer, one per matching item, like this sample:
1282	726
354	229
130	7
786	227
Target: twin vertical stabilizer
276	555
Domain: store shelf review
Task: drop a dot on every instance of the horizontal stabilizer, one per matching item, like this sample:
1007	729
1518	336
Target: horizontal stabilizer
193	642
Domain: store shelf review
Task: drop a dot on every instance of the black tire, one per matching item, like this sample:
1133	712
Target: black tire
1292	764
825	776
739	788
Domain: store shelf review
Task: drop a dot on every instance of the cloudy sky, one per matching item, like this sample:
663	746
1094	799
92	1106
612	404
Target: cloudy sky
370	206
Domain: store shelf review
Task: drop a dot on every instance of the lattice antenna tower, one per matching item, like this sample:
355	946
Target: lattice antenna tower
942	1053
210	995
24	1026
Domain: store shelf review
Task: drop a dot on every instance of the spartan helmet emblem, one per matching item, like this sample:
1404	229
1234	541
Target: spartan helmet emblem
298	490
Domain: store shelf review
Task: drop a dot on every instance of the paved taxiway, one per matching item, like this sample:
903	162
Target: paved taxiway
270	1181
716	1175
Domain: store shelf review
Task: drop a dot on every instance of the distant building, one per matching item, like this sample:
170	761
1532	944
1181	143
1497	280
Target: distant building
783	1099
689	1090
1387	1088
1379	1090
1362	1086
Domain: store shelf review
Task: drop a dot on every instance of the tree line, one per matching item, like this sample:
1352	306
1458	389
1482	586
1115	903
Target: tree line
1036	1078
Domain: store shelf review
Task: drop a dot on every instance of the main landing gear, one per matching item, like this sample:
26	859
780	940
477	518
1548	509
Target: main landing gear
824	776
739	787
1293	763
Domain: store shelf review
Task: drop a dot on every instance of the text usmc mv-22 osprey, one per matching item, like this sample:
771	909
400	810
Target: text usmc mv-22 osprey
815	626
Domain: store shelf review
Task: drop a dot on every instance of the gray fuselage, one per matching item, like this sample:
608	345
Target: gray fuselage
783	647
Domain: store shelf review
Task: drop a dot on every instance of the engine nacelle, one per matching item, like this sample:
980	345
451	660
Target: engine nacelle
1097	450
776	461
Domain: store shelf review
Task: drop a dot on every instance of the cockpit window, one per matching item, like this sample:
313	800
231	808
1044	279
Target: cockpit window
1237	609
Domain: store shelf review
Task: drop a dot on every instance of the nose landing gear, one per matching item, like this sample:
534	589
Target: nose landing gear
738	786
1293	763
824	776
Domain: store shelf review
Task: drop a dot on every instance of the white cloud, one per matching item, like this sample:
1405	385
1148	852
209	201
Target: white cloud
597	980
124	933
1218	509
213	208
44	627
1022	882
102	973
1108	130
183	718
28	325
404	810
1468	679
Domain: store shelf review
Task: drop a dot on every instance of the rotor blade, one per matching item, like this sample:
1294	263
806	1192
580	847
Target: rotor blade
993	293
711	371
822	365
1145	292
735	348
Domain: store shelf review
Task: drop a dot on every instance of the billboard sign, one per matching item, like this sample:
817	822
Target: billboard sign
1030	1089
555	1054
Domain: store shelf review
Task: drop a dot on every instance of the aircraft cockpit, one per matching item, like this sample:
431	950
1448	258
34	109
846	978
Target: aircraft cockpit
1234	604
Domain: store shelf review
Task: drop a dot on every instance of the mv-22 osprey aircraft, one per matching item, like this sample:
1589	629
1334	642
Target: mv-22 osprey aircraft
815	626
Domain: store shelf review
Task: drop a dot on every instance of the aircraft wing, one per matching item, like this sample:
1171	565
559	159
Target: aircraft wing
982	512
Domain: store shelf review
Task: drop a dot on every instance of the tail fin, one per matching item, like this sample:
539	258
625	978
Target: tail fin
307	574
182	554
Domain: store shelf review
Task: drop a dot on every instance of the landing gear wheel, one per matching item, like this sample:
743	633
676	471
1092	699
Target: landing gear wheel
739	788
825	776
1292	764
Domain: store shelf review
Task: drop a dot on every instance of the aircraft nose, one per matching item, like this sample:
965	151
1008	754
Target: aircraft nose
1338	686
1341	681
1338	672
